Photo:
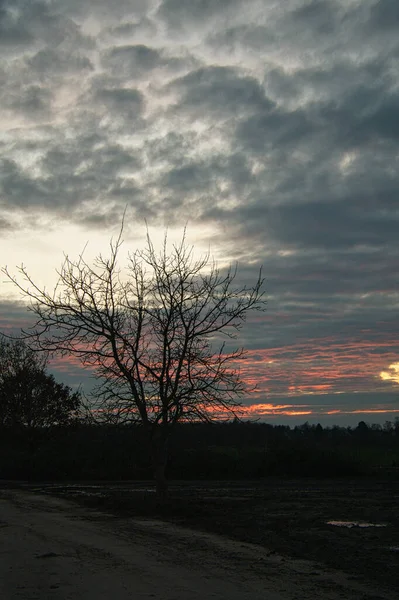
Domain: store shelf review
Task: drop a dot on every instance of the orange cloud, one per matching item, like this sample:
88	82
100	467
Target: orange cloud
276	410
325	365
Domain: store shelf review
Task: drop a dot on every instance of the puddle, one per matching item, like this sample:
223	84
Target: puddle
350	524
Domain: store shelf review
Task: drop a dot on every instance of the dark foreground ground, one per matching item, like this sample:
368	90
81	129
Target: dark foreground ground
351	525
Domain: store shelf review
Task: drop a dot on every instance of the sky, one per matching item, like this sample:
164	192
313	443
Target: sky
270	129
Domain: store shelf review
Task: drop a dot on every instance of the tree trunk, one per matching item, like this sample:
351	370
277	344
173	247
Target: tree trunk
159	462
161	484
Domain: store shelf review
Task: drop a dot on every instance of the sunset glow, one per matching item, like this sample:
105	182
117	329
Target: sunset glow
392	374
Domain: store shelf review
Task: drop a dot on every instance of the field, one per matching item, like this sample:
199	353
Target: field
348	524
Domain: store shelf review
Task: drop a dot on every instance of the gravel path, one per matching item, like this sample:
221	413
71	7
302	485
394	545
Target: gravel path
54	549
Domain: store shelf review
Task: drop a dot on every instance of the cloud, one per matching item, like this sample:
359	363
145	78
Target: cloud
178	13
327	409
105	11
332	222
319	16
123	102
17	186
13	31
132	61
13	316
69	174
341	362
267	129
392	374
144	28
221	90
31	24
51	62
208	175
31	101
5	224
384	14
244	37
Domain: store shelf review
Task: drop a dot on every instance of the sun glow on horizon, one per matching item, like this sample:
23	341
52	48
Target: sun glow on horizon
392	374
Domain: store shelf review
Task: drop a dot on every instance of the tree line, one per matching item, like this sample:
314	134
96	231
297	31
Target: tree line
233	450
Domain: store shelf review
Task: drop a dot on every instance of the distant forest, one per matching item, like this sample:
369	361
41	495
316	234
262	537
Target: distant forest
235	450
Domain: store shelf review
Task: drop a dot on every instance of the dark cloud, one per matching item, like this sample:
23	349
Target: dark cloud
178	13
13	315
304	30
13	29
208	176
104	10
359	121
71	173
53	62
330	223
134	60
36	22
127	103
5	225
340	82
384	15
350	107
223	90
18	188
248	36
321	16
145	27
355	224
383	122
32	101
102	214
139	61
266	129
171	148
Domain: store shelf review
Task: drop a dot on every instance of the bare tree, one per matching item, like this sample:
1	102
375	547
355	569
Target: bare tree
154	334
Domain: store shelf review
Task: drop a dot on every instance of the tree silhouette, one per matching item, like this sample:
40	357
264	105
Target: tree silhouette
154	334
29	396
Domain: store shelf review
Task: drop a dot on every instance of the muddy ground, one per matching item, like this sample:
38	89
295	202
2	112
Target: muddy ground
294	518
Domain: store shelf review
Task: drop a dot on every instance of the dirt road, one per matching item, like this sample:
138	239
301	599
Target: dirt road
53	549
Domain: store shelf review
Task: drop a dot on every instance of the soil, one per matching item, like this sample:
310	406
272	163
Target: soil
274	539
